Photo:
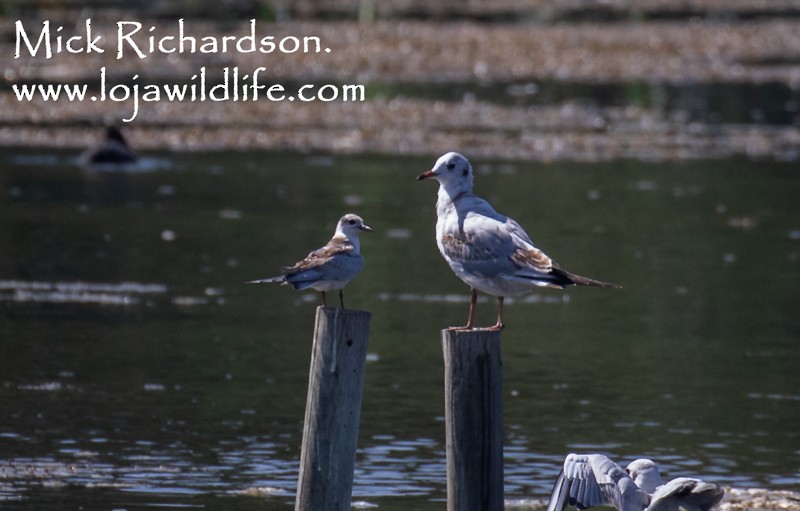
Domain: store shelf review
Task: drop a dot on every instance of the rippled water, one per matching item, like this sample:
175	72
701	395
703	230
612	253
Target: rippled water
136	371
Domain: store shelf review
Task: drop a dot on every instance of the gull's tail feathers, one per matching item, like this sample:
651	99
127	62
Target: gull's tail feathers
566	278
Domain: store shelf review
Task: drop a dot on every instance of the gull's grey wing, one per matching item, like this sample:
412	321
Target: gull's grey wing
589	480
687	494
518	231
494	245
486	243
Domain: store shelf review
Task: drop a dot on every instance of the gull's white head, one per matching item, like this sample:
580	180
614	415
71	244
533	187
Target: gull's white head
453	172
351	226
645	474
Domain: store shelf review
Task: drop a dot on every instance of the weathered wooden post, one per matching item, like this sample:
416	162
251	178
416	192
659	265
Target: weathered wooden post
333	410
473	395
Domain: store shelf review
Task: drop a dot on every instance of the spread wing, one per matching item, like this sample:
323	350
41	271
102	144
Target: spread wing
589	480
687	493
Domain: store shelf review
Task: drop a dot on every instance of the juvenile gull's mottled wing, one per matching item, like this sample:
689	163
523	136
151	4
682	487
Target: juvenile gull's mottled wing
334	261
337	260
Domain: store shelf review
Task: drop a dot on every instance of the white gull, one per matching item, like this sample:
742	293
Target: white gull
331	267
490	252
589	480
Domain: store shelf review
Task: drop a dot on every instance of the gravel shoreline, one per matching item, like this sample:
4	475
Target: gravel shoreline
419	52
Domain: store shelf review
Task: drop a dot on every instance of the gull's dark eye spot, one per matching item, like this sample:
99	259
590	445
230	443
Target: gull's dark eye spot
451	166
351	222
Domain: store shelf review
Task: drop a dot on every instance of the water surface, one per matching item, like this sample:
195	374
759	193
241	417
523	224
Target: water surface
136	371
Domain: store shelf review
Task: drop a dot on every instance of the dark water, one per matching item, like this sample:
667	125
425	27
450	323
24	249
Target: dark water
137	372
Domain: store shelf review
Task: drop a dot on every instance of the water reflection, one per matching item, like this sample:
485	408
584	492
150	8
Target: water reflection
137	367
123	293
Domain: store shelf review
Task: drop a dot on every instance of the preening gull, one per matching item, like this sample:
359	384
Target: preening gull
588	480
330	267
489	251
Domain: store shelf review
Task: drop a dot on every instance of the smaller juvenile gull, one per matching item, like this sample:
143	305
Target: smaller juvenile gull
490	252
589	480
330	267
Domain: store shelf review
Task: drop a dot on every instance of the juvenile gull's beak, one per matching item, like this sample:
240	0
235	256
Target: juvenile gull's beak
426	175
365	227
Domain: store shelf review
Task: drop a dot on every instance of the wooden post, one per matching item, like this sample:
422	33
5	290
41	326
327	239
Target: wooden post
333	410
473	396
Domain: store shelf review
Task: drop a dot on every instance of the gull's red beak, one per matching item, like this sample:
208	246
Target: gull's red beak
425	175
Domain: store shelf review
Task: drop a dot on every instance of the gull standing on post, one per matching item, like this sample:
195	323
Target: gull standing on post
589	480
490	252
330	267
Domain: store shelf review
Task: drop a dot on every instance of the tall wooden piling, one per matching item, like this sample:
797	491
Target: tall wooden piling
473	385
333	410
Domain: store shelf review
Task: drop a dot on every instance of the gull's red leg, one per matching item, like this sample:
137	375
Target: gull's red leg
499	325
472	301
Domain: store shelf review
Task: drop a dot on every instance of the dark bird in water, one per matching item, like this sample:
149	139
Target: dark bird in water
112	150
